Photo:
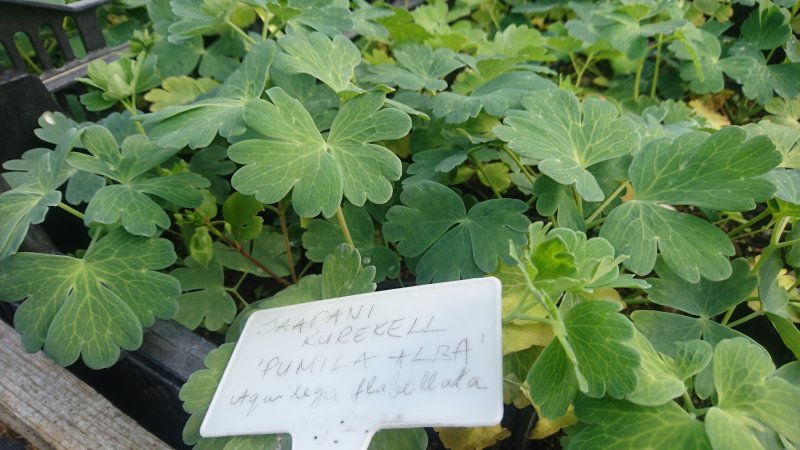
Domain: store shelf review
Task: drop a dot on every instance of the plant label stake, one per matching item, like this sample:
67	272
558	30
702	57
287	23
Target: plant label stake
331	373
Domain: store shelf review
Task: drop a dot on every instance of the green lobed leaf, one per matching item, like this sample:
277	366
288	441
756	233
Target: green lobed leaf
197	124
177	91
495	96
331	61
749	396
760	80
319	171
705	298
129	202
199	18
29	201
661	377
328	17
720	171
605	360
418	66
434	223
567	136
196	395
94	306
204	300
241	212
619	424
766	28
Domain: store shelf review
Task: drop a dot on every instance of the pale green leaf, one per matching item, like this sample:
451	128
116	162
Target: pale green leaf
177	91
495	96
331	61
747	391
28	203
605	360
619	424
91	307
567	136
721	171
319	171
197	124
418	66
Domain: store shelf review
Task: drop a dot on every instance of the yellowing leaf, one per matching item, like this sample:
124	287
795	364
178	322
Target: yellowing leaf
715	119
176	91
475	438
547	427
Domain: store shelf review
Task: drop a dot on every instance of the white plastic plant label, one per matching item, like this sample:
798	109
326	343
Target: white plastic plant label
332	373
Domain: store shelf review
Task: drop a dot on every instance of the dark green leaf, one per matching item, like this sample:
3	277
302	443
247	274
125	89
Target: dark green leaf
454	243
204	300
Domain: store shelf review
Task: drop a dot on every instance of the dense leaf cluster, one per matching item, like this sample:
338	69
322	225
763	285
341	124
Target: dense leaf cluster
629	169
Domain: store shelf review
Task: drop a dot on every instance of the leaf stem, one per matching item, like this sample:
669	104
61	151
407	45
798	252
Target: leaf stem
687	403
606	202
512	317
285	231
238	247
583	69
654	83
727	315
522	167
240	32
238	296
131	108
744	319
787	243
70	210
637	79
757	218
343	225
34	67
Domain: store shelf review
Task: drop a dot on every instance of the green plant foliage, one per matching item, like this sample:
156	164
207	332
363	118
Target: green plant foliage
418	67
197	124
718	171
453	243
319	171
204	299
495	96
594	356
618	424
91	307
324	236
32	196
331	61
566	137
129	202
118	81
